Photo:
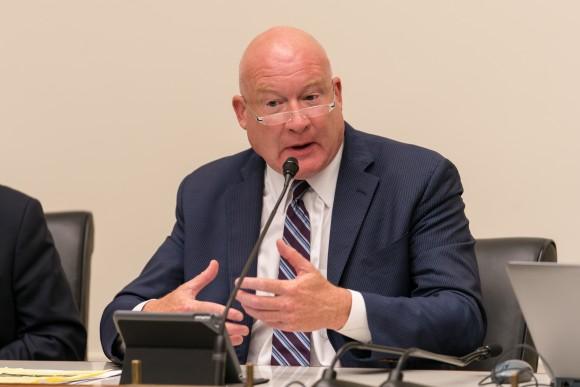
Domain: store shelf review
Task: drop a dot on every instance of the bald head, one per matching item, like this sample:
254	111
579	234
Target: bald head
290	104
278	46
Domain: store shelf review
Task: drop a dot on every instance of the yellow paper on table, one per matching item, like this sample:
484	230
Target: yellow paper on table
41	376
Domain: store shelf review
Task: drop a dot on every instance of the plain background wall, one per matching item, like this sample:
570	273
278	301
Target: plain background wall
107	105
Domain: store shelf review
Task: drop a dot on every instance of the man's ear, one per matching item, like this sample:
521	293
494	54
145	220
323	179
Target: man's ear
337	90
239	106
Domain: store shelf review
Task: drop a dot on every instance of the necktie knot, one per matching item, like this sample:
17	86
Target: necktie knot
299	188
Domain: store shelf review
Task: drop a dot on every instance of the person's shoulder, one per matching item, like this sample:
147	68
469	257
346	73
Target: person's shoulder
13	206
11	195
389	151
228	164
13	200
224	170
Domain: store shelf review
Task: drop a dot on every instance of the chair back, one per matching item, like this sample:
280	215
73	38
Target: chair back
505	323
73	235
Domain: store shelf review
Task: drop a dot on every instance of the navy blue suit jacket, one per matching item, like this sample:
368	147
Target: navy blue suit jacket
38	317
399	236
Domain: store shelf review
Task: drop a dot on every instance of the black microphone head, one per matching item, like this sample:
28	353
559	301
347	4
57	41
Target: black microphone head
290	167
494	350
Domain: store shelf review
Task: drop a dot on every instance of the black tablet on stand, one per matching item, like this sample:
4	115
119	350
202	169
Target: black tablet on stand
174	348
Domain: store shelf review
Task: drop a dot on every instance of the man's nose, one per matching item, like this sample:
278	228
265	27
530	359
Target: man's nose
298	121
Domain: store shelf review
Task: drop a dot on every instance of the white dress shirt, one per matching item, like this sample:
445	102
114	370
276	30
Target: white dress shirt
318	201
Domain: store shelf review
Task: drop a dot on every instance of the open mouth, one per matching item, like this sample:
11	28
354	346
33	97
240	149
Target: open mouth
302	146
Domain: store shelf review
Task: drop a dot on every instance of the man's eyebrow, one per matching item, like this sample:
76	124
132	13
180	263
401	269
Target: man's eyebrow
265	89
266	94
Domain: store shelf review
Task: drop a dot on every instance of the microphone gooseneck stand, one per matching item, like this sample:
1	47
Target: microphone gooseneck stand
289	169
395	378
328	378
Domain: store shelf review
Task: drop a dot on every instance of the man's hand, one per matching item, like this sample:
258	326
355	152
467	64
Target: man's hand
183	299
307	303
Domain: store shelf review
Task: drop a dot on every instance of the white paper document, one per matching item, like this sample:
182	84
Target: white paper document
42	376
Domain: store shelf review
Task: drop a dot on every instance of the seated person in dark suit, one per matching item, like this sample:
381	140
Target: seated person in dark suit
376	246
38	317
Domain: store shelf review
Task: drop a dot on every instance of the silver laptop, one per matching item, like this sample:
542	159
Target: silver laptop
549	297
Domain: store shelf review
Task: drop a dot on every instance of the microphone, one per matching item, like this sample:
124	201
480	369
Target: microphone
289	169
328	378
395	378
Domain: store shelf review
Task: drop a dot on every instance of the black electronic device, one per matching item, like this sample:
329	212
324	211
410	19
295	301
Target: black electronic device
174	348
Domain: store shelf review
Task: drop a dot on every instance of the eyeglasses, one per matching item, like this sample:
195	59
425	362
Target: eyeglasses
308	112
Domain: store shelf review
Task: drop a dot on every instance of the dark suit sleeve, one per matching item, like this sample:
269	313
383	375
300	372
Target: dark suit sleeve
162	274
444	312
48	325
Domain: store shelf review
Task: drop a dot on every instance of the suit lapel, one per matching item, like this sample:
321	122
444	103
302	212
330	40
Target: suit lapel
243	212
355	189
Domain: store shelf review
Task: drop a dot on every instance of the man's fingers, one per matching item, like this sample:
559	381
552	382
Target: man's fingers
235	315
212	307
297	261
237	332
274	286
201	280
270	317
258	302
237	329
236	340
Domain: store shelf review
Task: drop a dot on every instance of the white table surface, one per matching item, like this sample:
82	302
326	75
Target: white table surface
280	376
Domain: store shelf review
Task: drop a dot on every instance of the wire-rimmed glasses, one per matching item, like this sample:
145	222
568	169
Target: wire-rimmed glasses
308	112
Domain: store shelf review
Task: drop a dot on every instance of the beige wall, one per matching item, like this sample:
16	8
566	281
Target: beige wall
106	105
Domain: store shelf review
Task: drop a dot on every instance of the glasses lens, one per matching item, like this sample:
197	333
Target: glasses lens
309	112
276	119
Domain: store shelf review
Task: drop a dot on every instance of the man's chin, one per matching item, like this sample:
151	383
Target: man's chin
307	170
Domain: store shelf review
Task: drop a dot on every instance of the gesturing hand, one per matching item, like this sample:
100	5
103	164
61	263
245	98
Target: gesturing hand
183	299
307	303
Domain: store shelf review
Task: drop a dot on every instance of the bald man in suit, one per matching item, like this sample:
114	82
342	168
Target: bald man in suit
389	257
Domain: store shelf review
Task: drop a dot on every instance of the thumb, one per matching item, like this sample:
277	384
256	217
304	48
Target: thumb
297	261
200	281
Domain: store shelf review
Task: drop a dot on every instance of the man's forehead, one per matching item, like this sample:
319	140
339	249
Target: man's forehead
269	86
274	64
285	78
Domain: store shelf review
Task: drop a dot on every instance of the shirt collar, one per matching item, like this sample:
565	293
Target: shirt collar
323	183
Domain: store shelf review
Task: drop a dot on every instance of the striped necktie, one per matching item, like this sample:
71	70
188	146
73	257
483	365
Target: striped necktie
293	348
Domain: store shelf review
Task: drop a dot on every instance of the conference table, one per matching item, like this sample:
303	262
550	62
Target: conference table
282	376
